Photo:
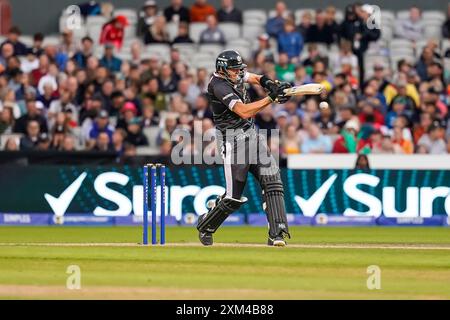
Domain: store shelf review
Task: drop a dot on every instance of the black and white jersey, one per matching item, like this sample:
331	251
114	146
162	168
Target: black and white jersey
223	97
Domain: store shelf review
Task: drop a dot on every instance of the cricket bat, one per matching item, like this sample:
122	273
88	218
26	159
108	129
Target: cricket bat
306	89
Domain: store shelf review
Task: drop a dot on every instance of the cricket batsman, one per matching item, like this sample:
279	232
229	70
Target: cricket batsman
236	134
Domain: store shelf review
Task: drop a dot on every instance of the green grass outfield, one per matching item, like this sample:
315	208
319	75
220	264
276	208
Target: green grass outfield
319	263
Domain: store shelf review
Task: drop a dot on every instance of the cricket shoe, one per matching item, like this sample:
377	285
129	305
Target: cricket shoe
205	238
278	241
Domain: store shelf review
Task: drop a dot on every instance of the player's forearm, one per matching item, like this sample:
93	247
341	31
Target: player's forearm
248	110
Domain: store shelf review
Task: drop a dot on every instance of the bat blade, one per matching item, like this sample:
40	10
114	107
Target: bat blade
306	89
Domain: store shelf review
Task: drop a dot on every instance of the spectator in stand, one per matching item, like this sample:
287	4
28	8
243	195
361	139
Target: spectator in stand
101	124
147	17
291	140
320	32
68	144
68	45
315	141
446	25
421	128
34	112
176	12
401	145
6	120
135	136
212	34
432	141
31	138
109	61
7	51
229	13
305	24
355	29
183	34
411	28
157	32
114	31
330	17
202	110
118	139
290	41
348	141
103	142
167	80
37	46
20	49
285	70
362	162
86	51
347	57
275	25
200	11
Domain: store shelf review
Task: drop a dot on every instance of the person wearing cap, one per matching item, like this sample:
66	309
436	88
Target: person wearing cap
34	113
128	112
101	124
135	136
200	11
229	13
146	17
176	12
114	31
263	53
14	33
109	60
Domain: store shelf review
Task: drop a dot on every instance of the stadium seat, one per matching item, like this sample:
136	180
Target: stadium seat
27	40
252	31
147	151
434	15
51	41
195	29
403	14
130	31
387	15
239	42
433	31
152	135
231	30
95	20
99	51
94	31
212	49
273	13
244	51
400	43
387	32
405	51
130	13
185	48
172	30
161	50
255	16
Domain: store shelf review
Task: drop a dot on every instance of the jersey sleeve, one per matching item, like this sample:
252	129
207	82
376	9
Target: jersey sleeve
226	95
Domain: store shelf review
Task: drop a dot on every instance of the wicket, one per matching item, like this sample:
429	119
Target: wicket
153	200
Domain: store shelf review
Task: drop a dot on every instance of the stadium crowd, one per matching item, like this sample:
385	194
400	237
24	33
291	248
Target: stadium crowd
64	97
